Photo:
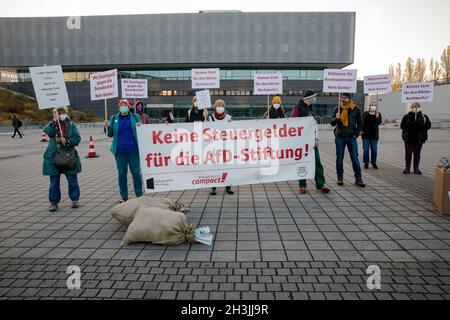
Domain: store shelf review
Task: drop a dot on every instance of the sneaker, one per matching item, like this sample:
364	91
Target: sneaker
213	192
406	171
340	182
417	171
366	166
324	189
302	190
229	191
360	184
374	165
123	200
75	204
53	207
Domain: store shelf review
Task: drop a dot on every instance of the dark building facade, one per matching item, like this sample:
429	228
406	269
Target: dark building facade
164	47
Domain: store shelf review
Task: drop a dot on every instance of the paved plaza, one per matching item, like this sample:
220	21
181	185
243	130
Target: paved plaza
270	242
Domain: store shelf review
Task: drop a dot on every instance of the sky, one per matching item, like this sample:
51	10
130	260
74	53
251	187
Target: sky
387	31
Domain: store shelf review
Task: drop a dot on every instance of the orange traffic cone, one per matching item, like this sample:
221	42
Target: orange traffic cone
92	153
44	137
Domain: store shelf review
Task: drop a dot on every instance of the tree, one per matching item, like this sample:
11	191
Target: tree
445	65
420	69
396	77
435	70
408	73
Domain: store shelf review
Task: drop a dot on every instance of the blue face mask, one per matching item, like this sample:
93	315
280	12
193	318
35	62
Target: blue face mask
123	109
314	100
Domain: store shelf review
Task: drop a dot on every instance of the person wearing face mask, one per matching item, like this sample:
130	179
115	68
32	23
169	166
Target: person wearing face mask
276	110
194	114
347	121
370	134
122	127
62	133
415	126
220	115
304	109
139	107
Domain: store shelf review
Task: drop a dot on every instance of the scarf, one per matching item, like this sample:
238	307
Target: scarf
219	116
63	129
344	112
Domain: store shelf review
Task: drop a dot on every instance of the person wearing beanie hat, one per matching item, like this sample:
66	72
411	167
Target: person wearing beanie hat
304	109
139	107
276	109
63	134
220	115
122	128
194	114
347	121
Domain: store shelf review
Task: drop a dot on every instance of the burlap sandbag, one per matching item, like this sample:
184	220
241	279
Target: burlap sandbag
159	226
124	212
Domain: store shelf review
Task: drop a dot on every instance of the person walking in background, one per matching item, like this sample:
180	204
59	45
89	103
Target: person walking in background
370	135
347	121
16	123
62	133
276	109
304	109
170	118
139	107
122	127
415	126
220	115
194	114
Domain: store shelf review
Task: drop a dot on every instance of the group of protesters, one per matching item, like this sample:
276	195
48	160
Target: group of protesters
347	119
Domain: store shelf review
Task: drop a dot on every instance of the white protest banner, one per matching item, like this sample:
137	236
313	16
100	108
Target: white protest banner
49	86
203	99
417	92
217	153
267	83
134	88
104	85
377	83
339	80
205	78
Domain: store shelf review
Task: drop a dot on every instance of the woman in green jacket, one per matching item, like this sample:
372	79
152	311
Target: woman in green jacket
122	127
70	138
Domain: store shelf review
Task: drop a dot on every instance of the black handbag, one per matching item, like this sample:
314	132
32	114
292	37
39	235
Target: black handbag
65	158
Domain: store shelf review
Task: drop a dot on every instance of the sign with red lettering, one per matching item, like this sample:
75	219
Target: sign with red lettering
218	153
377	83
339	80
417	92
205	78
104	85
268	83
134	88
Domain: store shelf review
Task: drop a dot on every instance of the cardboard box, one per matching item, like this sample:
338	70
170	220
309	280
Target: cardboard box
442	189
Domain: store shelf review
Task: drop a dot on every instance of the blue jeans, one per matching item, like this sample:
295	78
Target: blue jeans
54	193
373	145
352	145
123	161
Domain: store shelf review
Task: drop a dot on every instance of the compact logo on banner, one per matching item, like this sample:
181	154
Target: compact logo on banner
210	179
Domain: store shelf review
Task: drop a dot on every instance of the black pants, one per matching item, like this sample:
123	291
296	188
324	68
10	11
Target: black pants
226	188
410	149
18	131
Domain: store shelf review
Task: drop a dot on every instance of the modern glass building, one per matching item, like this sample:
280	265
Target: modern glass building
163	48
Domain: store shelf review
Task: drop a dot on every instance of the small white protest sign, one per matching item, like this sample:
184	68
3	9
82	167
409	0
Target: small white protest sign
267	83
49	86
205	78
377	83
417	92
104	85
203	99
339	80
134	88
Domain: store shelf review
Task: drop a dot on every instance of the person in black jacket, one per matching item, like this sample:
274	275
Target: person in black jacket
276	109
370	135
194	114
415	126
347	121
16	123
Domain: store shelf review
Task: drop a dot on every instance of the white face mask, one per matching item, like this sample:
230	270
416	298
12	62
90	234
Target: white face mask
220	110
373	108
276	105
415	110
62	117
